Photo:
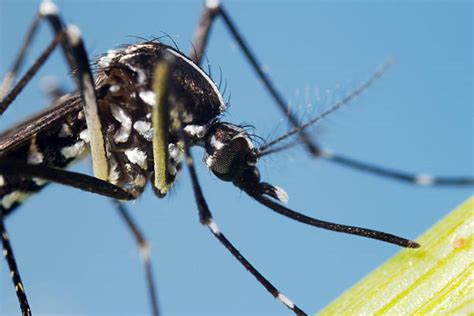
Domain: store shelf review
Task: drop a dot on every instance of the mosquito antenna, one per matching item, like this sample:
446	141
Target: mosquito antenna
362	88
353	230
283	147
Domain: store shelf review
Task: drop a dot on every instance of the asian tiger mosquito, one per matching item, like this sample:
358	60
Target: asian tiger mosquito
315	242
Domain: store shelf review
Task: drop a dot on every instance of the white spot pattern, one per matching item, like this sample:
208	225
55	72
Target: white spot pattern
144	129
125	120
149	97
74	150
48	8
16	196
198	131
285	300
281	194
424	179
65	131
136	156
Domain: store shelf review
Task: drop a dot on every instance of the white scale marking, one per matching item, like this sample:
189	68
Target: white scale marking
213	227
209	160
198	131
114	173
74	150
65	131
133	48
285	300
39	182
74	34
215	143
149	97
136	156
174	151
125	120
35	157
48	8
328	154
105	61
140	181
16	196
213	4
424	179
114	88
144	129
141	74
84	135
281	194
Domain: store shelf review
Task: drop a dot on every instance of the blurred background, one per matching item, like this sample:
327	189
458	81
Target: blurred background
75	254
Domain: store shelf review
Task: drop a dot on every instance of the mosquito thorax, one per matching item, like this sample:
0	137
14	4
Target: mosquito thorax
126	98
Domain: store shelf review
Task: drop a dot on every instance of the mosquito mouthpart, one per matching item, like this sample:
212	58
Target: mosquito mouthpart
412	244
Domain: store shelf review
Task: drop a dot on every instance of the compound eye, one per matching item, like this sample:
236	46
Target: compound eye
229	161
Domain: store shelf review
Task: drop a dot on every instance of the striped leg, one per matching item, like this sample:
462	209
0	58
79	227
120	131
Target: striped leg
15	274
144	250
214	9
73	179
205	217
11	75
69	178
161	77
5	102
76	56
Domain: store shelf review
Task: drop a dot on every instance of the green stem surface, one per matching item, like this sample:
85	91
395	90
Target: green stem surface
432	280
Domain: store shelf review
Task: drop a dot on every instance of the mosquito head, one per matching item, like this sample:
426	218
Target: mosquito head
232	156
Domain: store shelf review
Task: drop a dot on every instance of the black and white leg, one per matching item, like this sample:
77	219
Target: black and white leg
11	74
86	183
15	274
73	179
76	56
144	250
6	100
161	76
214	9
205	217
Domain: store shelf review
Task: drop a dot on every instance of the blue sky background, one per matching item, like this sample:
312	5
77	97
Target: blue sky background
76	256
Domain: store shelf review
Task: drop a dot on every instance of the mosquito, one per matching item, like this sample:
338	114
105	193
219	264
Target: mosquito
147	105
